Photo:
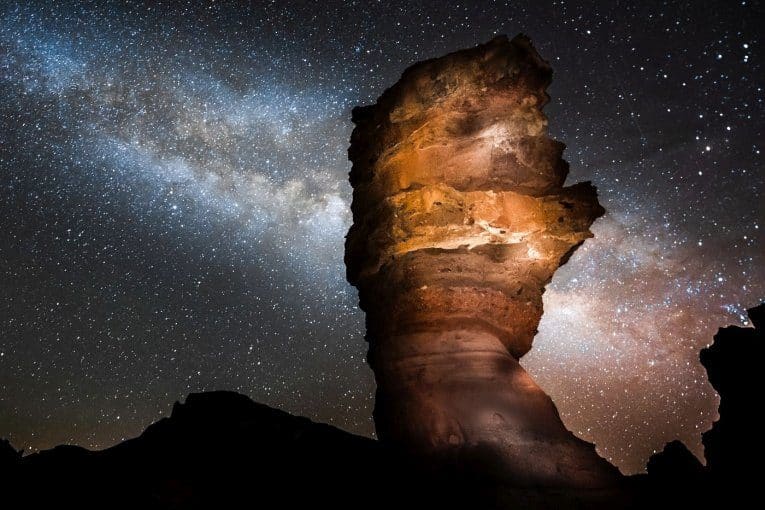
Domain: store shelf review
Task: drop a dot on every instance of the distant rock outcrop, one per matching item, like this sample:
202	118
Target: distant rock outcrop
734	365
460	220
734	446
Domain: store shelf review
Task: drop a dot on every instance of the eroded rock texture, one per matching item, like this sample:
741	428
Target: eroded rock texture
460	220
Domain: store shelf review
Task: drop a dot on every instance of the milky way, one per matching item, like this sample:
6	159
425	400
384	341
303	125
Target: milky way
174	199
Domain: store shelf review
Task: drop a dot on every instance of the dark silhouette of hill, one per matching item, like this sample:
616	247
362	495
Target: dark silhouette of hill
222	450
215	450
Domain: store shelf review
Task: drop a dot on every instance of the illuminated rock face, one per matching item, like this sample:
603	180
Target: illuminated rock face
460	220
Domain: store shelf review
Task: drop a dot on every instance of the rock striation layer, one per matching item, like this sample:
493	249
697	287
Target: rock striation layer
460	219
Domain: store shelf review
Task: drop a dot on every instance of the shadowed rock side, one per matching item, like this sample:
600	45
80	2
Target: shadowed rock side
460	219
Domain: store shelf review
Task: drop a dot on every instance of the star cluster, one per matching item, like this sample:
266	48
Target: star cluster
173	188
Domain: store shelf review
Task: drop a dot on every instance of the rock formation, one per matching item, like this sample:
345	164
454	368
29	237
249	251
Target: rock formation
733	362
733	447
460	219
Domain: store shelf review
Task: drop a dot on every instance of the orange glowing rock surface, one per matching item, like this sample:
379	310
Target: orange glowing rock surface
460	220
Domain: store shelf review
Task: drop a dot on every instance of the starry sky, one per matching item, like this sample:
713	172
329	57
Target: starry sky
174	197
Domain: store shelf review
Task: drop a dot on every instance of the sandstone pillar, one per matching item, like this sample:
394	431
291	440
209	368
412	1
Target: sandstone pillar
460	220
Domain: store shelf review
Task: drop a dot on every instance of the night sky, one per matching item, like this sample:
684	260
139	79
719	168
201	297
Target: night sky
174	197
